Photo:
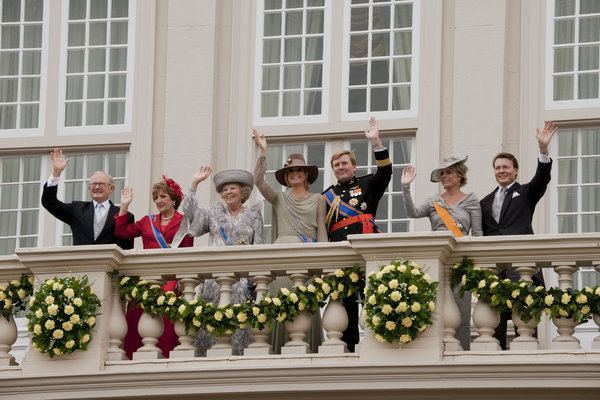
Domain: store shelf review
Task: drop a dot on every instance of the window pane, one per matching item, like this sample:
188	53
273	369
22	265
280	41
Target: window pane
9	64
271	51
315	21
29	222
292	50
11	10
118	32
590	198
94	113
564	59
567	224
117	85
269	105
294	3
28	242
396	184
77	9
564	31
291	76
358	73
118	59
313	76
589	29
381	17
590	170
567	199
34	10
97	33
74	169
32	36
361	151
9	197
315	155
8	90
357	100
119	8
400	227
588	86
116	112
380	45
32	63
401	98
564	7
314	49
30	89
272	4
95	89
73	114
590	223
270	78
95	162
359	46
589	58
74	87
75	61
567	171
10	37
567	143
73	191
590	141
29	116
31	168
589	6
563	87
8	223
98	9
380	72
31	196
274	157
401	152
8	117
379	99
291	103
312	103
117	164
272	25
402	71
403	16
293	23
359	19
7	246
402	43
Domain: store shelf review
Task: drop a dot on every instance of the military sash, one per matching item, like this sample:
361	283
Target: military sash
447	220
351	214
158	236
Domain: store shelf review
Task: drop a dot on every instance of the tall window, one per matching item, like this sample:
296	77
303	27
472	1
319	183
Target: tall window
578	186
20	63
98	59
76	178
574	38
314	154
381	63
391	215
19	202
292	60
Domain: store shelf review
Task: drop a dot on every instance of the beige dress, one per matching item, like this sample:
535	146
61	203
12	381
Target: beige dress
293	217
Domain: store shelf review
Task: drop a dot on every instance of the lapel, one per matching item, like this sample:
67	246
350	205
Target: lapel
110	218
172	225
88	219
508	199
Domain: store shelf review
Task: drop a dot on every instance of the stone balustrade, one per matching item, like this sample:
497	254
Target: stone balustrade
436	252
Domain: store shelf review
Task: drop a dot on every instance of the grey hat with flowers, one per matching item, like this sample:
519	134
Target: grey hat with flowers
294	161
233	176
447	161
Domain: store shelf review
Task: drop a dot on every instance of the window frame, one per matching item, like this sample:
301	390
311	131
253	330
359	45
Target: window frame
39	131
62	129
258	65
415	65
552	104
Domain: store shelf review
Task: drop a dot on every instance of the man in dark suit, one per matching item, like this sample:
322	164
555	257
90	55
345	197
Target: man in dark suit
92	222
509	209
351	207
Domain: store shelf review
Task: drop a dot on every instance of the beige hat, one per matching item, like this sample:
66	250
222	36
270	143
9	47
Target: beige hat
293	161
446	162
233	176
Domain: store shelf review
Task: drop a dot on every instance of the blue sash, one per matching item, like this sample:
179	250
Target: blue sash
158	236
224	236
305	239
344	208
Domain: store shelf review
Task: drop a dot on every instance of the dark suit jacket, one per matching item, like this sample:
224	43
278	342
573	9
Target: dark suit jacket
79	215
517	211
518	207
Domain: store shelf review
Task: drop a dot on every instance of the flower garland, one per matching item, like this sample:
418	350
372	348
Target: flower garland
524	298
400	300
225	320
13	298
61	315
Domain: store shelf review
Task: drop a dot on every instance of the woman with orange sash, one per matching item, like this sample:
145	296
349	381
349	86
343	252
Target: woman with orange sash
157	231
454	211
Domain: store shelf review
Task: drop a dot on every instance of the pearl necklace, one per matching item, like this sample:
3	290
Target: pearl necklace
165	218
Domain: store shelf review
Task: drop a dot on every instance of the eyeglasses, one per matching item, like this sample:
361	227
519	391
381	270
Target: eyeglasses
101	185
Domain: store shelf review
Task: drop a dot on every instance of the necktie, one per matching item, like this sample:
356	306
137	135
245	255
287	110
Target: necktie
498	201
98	211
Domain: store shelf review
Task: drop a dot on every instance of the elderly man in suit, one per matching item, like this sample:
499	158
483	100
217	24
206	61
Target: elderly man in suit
92	222
508	210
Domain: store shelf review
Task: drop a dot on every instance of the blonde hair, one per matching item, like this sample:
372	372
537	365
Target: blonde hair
340	153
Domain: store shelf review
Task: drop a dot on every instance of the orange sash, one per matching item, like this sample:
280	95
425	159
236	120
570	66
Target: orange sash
447	220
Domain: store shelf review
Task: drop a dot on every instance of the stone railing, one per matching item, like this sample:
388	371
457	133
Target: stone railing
435	252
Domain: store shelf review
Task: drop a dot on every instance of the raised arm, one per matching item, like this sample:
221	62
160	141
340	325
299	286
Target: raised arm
544	136
373	134
408	175
261	168
59	162
126	199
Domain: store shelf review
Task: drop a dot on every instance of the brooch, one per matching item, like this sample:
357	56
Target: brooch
353	202
363	206
241	241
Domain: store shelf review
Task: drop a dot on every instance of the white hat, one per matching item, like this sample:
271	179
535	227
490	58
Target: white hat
446	162
233	176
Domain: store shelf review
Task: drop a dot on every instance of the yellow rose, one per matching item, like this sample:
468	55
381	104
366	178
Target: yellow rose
311	288
565	299
57	286
481	284
77	301
334	295
255	311
548	300
181	309
431	305
145	295
124	280
85	338
49	324
529	300
415	272
57	351
39	313
70	344
493	285
588	289
285	291
218	315
171	300
515	293
3	295
402	268
386	309
326	288
372	300
294	297
412	289
262	318
463	280
242	317
209	328
427	278
407	322
91	321
339	273
196	323
281	317
509	303
21	293
390	325
69	292
74	318
318	280
402	307
376	320
354	277
379	275
276	301
197	310
585	309
379	338
52	310
67	326
160	300
69	309
49	300
58	334
302	305
563	313
415	307
37	329
340	287
581	298
538	288
393	284
404	338
395	295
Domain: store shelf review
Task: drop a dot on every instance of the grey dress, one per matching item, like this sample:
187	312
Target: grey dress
467	215
224	230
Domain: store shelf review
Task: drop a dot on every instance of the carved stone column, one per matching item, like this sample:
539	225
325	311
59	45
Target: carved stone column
301	323
565	326
8	335
596	342
261	345
486	320
150	329
525	340
335	322
186	349
117	326
451	315
223	347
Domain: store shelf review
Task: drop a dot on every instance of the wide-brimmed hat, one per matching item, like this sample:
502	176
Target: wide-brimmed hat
233	176
447	161
293	161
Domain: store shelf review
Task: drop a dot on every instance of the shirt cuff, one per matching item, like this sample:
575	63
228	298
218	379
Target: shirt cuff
544	159
53	181
382	149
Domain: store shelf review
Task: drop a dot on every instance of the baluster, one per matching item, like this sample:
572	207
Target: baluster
451	315
186	349
301	323
117	326
486	320
150	329
335	322
223	347
596	341
8	336
261	345
525	340
565	326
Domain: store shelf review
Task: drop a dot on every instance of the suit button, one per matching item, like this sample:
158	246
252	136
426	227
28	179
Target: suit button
345	227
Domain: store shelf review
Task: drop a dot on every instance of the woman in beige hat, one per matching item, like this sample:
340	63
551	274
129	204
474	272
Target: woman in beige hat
453	211
299	216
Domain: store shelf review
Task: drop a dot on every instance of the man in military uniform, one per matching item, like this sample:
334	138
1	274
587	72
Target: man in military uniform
352	204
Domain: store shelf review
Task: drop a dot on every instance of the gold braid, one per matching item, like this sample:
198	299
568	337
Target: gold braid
335	206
